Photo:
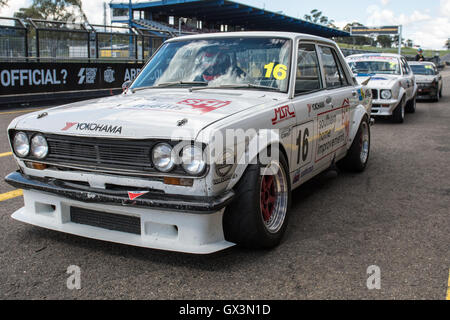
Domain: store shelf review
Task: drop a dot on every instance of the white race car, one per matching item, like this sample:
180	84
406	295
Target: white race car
392	81
202	150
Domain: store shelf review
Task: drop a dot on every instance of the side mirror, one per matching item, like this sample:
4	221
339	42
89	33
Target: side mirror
126	85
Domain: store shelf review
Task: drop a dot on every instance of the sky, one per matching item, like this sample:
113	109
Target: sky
427	23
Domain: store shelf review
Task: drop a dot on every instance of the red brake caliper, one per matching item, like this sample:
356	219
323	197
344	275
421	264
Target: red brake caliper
268	197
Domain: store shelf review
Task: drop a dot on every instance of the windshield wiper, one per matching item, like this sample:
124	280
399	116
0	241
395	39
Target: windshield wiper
238	86
171	84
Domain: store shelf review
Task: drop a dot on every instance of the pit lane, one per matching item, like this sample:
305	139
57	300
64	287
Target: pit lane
395	216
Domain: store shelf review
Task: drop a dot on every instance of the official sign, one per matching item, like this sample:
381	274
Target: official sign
24	78
364	31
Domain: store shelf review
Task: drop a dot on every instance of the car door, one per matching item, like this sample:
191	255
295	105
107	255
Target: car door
333	122
409	80
309	100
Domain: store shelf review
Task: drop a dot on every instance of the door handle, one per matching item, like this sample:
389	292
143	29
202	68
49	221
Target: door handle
354	93
328	100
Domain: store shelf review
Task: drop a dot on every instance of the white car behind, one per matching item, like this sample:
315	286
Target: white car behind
393	84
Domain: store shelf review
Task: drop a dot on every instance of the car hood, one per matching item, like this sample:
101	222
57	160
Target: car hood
149	113
425	78
378	80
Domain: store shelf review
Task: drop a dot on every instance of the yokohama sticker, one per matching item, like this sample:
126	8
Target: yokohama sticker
282	114
95	127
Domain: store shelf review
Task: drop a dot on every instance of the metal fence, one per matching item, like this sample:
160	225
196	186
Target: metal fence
40	40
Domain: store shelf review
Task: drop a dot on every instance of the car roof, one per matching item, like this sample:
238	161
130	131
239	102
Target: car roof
269	34
369	55
421	63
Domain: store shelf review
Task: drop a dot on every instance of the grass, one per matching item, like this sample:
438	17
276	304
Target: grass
405	51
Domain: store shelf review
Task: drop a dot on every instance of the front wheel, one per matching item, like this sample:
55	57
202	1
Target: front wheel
411	105
258	216
398	116
358	155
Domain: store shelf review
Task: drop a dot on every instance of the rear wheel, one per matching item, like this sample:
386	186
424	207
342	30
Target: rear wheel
358	155
258	216
398	116
437	96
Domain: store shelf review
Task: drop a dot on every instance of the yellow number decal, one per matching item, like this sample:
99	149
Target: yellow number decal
279	71
269	68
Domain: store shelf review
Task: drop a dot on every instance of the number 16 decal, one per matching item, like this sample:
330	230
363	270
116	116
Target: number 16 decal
304	143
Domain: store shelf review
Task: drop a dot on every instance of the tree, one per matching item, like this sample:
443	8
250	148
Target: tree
316	16
447	44
409	43
384	41
56	10
3	3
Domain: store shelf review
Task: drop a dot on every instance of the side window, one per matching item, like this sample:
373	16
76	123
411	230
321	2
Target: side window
308	70
334	75
404	67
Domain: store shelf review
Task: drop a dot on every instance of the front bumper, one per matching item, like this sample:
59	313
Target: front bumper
426	91
161	223
384	107
193	204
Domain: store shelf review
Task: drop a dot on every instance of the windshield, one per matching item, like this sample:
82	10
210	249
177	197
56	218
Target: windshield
426	70
380	65
257	63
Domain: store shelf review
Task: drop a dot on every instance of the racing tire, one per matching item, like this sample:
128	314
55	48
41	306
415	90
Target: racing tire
357	157
257	218
398	116
437	97
411	105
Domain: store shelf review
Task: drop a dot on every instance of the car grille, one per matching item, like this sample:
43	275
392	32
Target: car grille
98	152
102	154
109	221
374	94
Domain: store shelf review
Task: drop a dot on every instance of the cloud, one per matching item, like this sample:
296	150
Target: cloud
385	2
14	6
423	28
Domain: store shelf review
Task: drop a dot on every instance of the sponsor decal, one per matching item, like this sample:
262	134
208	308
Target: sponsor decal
302	173
69	125
283	114
108	75
334	128
93	127
362	95
87	75
316	106
205	105
132	195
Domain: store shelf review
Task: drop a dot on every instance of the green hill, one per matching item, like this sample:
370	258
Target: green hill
405	51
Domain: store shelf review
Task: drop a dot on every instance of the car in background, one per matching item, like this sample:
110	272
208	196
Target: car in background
429	81
391	80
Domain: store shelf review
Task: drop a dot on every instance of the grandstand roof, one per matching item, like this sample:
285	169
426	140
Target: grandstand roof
232	13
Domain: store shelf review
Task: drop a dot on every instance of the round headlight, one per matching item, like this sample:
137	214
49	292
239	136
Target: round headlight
39	147
21	144
386	94
162	157
193	161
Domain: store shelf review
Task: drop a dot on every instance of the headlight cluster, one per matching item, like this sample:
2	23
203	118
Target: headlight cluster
191	158
37	147
386	94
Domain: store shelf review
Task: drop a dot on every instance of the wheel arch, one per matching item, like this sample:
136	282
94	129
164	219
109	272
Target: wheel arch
253	158
358	115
